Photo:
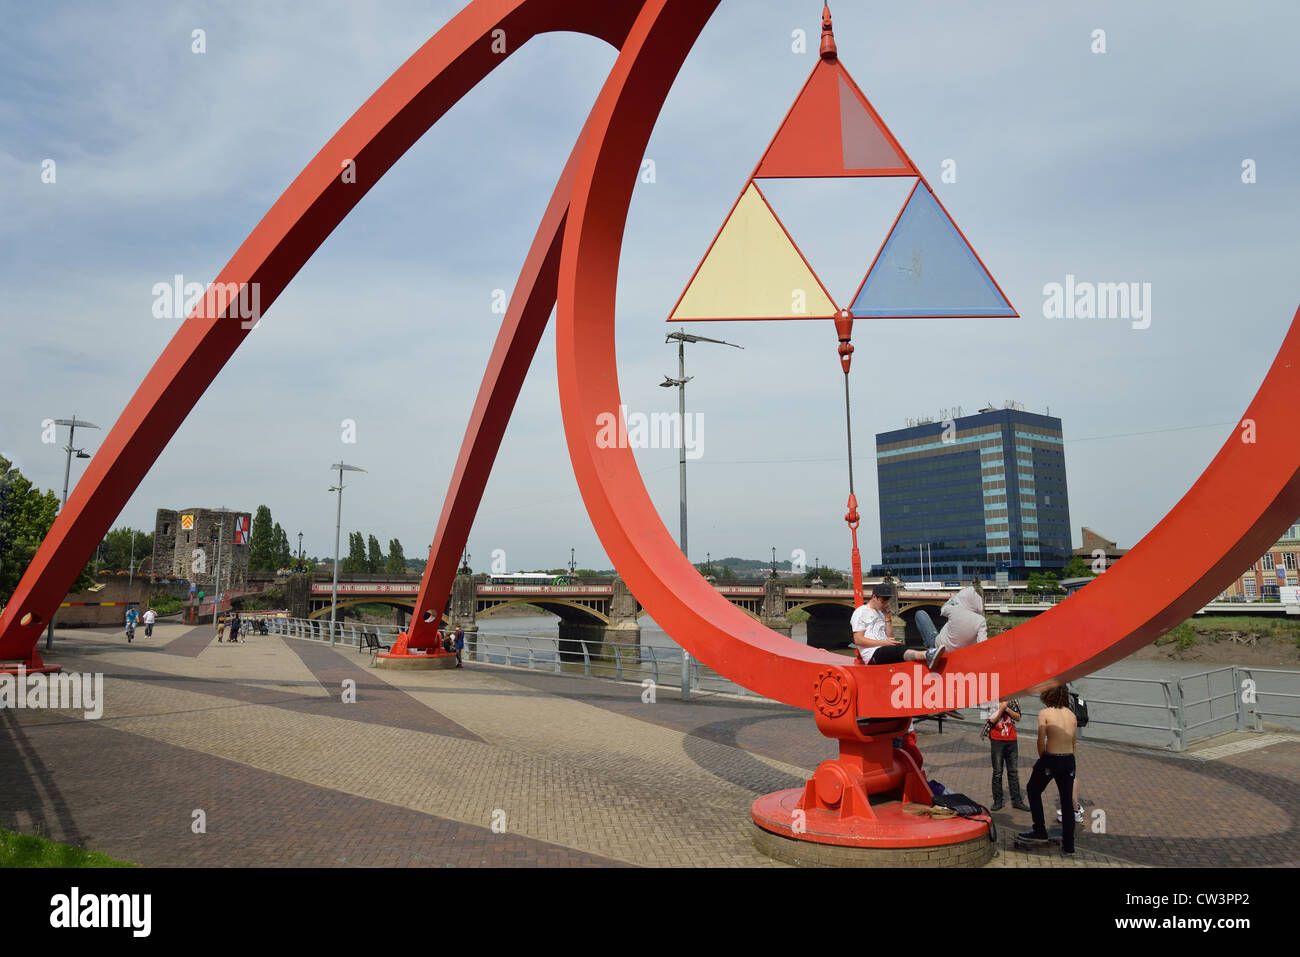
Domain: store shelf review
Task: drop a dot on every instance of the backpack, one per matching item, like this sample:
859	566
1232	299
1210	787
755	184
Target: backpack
1080	709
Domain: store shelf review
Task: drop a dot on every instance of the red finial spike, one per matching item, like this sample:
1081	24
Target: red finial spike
828	35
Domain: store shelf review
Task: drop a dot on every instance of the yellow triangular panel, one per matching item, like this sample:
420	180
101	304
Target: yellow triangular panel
753	271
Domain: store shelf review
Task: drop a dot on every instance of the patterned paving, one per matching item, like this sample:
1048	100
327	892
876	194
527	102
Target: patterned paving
493	766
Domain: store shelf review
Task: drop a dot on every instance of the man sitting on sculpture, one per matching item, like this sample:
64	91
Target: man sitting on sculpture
965	623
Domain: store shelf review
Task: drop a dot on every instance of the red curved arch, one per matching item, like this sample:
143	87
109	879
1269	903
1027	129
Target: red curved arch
1249	493
435	77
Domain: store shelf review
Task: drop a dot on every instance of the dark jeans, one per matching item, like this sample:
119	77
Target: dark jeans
1008	752
1060	767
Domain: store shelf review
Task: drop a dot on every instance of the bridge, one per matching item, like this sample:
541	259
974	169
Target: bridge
603	609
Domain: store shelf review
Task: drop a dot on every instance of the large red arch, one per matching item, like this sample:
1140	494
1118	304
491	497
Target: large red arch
439	74
1246	497
1248	494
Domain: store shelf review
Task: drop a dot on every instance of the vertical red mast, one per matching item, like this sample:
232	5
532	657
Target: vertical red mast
844	330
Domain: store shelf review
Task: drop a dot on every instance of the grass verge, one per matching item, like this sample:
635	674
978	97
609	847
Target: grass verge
25	850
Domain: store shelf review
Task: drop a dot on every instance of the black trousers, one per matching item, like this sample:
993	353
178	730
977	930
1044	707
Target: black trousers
1007	752
1060	767
888	655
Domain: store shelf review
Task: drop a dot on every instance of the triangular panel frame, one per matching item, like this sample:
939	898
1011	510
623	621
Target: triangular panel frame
819	313
1008	313
810	142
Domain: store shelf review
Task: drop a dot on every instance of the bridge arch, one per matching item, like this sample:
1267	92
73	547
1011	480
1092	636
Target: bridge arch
563	608
406	604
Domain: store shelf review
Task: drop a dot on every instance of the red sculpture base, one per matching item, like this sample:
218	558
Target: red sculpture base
32	666
857	801
401	656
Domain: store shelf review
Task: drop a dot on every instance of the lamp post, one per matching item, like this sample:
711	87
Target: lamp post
338	524
221	514
72	424
130	578
300	551
682	337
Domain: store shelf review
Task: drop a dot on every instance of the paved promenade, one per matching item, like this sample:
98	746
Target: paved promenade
571	771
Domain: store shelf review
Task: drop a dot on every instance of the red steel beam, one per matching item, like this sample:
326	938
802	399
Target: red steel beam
1246	497
436	76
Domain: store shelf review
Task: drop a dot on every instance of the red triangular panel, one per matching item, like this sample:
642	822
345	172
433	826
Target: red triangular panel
831	130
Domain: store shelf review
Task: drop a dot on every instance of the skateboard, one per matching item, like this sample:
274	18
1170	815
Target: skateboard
1053	840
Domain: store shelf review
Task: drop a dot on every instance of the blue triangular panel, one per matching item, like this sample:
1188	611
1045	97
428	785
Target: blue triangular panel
927	270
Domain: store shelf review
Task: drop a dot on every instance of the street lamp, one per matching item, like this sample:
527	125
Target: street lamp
300	551
72	424
682	337
221	514
338	524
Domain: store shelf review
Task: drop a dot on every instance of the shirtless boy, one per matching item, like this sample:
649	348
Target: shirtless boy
1056	737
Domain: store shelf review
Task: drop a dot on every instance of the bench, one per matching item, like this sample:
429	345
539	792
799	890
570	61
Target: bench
935	717
370	642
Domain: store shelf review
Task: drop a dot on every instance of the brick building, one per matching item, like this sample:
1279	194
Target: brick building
1274	568
185	546
1098	546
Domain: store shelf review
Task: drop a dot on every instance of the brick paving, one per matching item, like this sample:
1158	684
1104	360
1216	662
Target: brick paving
571	771
191	643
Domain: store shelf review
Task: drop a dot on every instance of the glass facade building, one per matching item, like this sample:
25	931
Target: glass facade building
974	495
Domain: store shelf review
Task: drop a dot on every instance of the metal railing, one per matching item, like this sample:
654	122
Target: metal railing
594	659
1250	695
1154	712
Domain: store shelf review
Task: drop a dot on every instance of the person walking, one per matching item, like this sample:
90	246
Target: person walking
459	645
221	627
150	616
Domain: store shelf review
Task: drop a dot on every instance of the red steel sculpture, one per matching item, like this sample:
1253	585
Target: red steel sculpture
1247	495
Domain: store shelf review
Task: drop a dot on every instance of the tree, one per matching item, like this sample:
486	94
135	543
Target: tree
26	515
117	549
283	553
825	574
1077	568
1044	583
375	560
262	543
356	560
396	559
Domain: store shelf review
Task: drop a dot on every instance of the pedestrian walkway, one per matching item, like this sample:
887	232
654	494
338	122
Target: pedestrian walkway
293	753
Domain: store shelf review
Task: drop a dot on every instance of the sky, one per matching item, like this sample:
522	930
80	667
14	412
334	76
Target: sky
1116	166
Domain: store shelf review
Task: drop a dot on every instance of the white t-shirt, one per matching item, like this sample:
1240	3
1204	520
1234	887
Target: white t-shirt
150	617
865	618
